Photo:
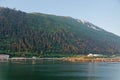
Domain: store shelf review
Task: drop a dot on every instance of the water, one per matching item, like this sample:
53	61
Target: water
58	70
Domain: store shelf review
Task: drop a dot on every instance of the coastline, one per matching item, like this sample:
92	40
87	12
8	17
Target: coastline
69	59
94	60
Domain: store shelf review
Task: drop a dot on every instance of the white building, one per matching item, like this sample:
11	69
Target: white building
4	56
90	55
94	55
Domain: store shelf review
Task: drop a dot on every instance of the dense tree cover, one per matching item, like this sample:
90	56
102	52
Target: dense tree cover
26	34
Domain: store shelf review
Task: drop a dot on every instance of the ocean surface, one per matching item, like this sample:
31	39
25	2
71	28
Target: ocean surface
59	70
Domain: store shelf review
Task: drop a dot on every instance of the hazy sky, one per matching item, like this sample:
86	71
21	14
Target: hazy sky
103	13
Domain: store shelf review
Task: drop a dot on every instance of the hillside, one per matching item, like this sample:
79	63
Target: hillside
23	34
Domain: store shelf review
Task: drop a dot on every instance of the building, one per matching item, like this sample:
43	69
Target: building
4	56
94	55
90	55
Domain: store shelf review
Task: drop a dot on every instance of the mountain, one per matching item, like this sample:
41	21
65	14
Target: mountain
23	34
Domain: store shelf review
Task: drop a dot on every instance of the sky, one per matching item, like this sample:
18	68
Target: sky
103	13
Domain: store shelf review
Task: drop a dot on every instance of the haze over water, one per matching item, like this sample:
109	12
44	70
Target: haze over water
58	70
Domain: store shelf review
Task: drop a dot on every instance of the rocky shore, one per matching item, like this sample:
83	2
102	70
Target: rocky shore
94	60
70	59
79	59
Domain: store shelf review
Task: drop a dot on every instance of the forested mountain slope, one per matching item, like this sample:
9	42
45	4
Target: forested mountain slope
36	33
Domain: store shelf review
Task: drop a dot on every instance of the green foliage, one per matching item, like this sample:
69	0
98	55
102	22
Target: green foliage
36	34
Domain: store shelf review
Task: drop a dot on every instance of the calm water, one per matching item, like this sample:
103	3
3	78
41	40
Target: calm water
56	70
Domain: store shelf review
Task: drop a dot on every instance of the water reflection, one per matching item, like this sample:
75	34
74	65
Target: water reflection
3	70
58	70
33	61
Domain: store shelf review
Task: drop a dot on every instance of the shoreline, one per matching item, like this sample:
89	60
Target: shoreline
70	59
94	60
